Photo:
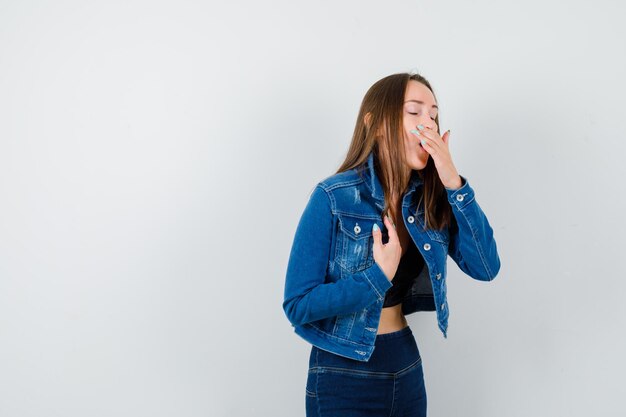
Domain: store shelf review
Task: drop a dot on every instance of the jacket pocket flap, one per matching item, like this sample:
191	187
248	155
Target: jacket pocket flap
357	227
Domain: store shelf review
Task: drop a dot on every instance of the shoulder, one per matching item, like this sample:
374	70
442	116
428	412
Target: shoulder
341	190
344	179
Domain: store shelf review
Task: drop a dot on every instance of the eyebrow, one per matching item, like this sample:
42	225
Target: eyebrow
421	102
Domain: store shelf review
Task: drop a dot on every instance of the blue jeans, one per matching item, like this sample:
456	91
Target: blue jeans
390	384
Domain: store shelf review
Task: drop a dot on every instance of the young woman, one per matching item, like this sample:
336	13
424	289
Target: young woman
371	247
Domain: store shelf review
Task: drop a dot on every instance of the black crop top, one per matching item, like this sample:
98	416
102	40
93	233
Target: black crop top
409	268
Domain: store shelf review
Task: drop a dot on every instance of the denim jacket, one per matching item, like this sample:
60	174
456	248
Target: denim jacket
334	290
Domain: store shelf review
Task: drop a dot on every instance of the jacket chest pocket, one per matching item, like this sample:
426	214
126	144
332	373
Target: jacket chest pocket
355	242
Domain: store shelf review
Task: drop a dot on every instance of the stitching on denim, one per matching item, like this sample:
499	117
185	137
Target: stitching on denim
317	381
331	197
335	325
313	325
357	215
393	398
343	234
338	318
408	368
342	247
359	263
478	247
366	231
348	371
351	323
371	284
341	184
331	336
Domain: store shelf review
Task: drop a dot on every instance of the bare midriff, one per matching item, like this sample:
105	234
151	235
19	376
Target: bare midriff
392	319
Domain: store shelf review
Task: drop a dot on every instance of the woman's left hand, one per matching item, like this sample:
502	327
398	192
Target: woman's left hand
437	147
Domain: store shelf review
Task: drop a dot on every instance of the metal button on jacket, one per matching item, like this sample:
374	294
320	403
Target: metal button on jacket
459	197
427	246
357	229
411	219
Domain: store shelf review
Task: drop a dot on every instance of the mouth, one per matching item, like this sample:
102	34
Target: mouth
419	142
421	148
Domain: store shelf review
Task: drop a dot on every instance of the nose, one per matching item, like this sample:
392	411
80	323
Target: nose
429	124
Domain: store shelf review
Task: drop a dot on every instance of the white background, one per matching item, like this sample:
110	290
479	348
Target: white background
156	156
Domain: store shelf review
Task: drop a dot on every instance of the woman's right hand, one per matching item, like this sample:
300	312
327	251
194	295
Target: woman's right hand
388	255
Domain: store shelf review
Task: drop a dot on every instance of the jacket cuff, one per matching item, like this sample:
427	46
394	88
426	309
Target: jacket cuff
378	280
460	197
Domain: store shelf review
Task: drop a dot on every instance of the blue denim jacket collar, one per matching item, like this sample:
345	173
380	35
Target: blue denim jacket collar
374	184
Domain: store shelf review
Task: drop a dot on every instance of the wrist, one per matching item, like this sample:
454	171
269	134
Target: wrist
455	184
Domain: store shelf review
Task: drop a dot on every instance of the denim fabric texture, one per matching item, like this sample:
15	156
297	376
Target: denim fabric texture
334	290
390	384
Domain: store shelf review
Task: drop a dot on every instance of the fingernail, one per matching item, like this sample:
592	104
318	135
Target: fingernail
415	131
375	227
420	127
423	141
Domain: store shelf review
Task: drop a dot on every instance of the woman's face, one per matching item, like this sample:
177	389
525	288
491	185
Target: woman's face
419	108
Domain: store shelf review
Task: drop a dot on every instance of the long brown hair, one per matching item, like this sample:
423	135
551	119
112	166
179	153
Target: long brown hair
384	102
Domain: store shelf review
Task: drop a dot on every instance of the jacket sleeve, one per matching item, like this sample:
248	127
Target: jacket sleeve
472	245
308	295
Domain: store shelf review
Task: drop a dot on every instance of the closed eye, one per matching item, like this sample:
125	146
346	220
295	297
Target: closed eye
432	118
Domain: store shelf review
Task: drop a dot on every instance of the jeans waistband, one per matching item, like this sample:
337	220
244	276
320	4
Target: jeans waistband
394	351
406	331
